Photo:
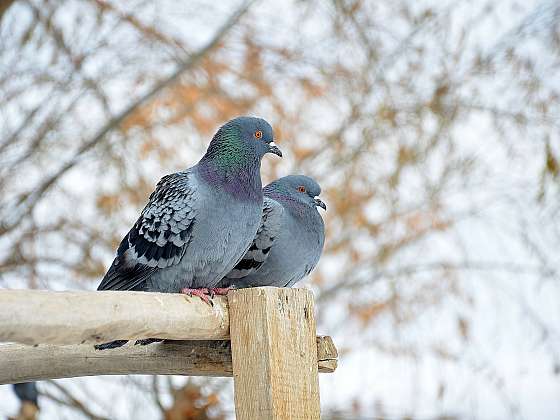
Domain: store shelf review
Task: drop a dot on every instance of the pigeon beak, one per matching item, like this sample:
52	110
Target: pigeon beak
272	148
320	203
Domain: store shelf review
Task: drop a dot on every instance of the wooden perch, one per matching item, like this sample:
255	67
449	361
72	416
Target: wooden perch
274	355
22	363
65	318
44	317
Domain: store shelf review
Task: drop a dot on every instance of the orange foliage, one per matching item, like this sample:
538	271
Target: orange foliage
191	404
367	313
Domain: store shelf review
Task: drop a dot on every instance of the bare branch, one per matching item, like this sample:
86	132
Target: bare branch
71	401
4	6
29	200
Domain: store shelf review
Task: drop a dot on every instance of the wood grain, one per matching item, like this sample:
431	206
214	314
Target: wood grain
22	363
274	354
46	317
327	355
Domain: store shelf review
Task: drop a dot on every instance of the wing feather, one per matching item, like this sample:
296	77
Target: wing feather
159	237
268	231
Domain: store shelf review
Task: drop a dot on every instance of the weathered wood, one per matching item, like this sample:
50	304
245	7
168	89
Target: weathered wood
45	317
327	355
274	354
22	363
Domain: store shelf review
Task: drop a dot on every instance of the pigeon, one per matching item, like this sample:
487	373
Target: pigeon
27	392
198	223
290	239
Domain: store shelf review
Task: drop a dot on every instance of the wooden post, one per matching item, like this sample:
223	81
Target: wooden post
274	354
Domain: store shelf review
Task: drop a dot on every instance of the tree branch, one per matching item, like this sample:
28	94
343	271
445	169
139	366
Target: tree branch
4	6
29	200
71	401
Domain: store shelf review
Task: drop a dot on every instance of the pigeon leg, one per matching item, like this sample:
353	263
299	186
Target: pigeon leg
220	291
201	293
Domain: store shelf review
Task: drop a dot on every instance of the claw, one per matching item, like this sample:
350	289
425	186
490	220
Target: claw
201	293
220	291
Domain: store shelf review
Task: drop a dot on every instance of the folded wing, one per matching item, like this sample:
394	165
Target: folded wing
268	231
159	237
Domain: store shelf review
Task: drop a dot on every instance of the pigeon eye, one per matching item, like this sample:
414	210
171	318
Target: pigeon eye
301	189
258	134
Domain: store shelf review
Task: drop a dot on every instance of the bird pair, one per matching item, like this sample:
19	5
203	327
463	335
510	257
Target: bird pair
213	226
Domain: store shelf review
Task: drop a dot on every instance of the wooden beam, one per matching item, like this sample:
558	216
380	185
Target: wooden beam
274	354
277	321
45	317
22	363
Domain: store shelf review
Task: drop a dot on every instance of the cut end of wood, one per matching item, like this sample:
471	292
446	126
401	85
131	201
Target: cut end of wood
327	366
327	355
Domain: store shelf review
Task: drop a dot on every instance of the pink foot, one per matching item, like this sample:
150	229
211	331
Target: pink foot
201	293
219	291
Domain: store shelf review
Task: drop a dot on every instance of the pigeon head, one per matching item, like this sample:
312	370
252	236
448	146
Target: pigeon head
257	134
233	159
296	190
242	141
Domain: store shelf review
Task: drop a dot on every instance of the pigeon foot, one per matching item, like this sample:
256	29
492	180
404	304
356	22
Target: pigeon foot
219	291
201	293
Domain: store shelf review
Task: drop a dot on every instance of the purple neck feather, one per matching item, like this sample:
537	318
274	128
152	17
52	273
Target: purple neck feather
240	182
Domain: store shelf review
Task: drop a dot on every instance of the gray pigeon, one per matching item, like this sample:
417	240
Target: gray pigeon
27	392
198	223
290	239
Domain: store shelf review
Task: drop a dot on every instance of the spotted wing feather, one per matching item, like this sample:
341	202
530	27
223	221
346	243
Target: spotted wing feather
159	237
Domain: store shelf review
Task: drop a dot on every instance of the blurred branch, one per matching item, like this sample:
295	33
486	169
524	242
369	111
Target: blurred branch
4	6
518	117
543	17
146	30
46	127
369	278
406	42
24	124
70	401
156	393
75	61
28	201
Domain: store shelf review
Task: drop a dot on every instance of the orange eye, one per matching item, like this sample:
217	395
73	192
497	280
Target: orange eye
258	134
301	189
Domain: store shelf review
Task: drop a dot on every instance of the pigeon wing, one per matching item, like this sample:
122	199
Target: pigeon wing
268	231
159	237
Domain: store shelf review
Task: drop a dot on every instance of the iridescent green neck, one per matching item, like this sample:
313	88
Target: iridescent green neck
230	165
226	150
